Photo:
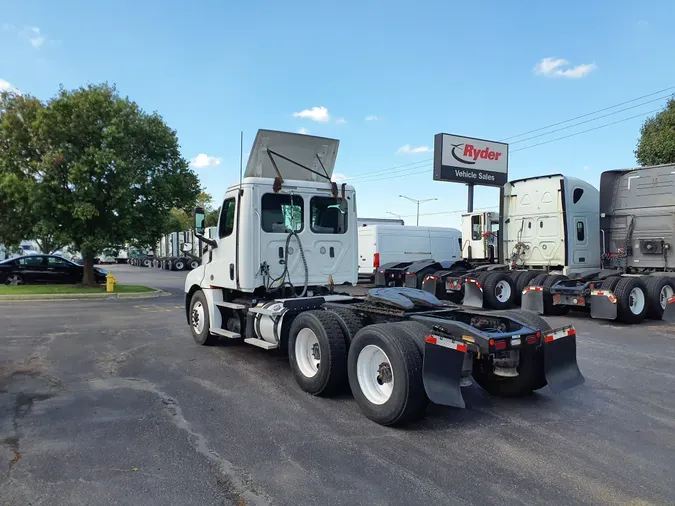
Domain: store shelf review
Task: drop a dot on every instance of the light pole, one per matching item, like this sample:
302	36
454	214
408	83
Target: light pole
418	202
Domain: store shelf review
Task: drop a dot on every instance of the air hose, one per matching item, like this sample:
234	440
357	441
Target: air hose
286	274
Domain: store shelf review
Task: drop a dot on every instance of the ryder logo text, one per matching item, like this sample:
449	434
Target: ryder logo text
470	154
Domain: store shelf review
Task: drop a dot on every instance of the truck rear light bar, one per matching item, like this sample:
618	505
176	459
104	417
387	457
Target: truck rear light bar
447	343
600	293
564	332
529	289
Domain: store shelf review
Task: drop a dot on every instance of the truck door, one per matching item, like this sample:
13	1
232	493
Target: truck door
580	251
227	239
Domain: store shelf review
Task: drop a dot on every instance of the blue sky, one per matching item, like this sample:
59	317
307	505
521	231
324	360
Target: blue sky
213	68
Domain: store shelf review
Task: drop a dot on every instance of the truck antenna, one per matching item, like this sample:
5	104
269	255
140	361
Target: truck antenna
241	156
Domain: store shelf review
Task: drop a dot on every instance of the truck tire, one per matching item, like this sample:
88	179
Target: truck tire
631	300
549	308
199	320
498	290
522	281
384	366
194	264
659	290
146	263
313	334
350	322
179	265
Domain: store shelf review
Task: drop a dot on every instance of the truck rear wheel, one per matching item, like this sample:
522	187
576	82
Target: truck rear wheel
384	366
631	299
200	323
317	352
659	290
179	265
350	322
498	290
523	281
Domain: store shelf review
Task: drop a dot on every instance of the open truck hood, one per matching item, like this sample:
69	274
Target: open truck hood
305	150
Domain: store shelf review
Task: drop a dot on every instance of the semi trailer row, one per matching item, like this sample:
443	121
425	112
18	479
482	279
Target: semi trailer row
563	244
274	277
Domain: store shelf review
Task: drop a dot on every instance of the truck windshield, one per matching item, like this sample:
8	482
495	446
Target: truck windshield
282	213
328	216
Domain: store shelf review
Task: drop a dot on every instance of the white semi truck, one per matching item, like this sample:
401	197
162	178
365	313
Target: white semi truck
287	242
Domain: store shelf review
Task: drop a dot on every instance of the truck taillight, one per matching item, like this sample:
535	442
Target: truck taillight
376	260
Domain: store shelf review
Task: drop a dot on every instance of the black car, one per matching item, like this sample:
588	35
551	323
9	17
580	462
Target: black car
41	269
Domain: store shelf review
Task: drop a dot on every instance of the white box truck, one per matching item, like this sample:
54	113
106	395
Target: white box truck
384	246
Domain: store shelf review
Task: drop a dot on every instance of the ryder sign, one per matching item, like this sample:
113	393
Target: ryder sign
467	160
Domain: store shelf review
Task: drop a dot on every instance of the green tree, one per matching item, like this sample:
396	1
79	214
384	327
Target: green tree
657	138
104	172
211	219
18	166
204	201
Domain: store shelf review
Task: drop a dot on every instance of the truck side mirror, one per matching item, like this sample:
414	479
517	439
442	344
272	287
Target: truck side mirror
199	217
187	246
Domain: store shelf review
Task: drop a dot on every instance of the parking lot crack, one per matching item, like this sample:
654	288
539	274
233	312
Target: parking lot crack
235	484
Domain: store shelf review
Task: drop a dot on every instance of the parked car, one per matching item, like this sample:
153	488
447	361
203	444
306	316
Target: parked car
41	269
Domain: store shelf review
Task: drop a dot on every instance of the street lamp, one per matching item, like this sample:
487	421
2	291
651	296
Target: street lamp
418	202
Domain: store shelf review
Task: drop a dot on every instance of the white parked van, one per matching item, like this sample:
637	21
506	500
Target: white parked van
382	244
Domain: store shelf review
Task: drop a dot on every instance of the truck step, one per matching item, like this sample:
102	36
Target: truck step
230	305
261	344
225	333
264	311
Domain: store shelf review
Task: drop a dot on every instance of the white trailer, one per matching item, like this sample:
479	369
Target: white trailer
287	239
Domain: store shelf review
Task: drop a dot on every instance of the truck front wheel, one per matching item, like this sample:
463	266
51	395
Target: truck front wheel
199	320
385	374
317	352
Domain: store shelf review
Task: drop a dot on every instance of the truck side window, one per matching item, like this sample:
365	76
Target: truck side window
576	195
580	231
328	216
475	228
282	213
226	223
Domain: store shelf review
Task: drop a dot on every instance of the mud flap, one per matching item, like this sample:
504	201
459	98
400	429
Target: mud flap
669	312
603	305
560	360
473	293
533	299
442	370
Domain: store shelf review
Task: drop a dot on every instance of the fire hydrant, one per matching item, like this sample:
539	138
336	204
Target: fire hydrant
110	282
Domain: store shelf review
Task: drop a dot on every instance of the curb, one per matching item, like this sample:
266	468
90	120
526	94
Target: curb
84	296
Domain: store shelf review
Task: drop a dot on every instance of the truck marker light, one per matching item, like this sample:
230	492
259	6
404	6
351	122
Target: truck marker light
556	298
500	345
531	339
600	293
446	343
469	339
475	281
515	341
533	289
671	300
376	260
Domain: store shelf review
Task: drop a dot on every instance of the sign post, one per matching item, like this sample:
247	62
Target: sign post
471	161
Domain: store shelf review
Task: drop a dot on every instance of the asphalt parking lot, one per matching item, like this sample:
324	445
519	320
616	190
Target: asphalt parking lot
111	402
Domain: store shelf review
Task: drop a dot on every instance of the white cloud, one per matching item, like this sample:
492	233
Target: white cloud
372	117
315	114
408	149
7	26
559	67
7	86
337	177
587	168
36	37
340	121
202	160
